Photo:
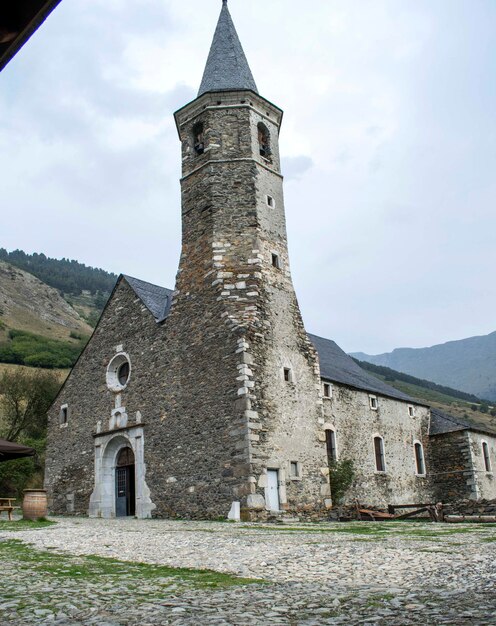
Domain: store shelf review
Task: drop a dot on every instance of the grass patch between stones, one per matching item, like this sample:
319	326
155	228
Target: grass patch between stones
372	530
24	524
94	568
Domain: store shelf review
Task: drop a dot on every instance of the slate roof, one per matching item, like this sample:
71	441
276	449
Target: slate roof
337	366
442	423
227	68
156	299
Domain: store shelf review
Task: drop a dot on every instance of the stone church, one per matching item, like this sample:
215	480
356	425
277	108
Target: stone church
212	399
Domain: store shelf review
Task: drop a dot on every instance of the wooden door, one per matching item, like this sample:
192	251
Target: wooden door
273	490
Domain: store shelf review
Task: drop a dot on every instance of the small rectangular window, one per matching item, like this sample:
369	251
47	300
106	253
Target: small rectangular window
270	201
419	459
380	464
275	261
373	402
332	455
64	415
293	469
411	411
287	375
485	454
327	390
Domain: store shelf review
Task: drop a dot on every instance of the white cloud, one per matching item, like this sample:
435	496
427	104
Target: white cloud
388	144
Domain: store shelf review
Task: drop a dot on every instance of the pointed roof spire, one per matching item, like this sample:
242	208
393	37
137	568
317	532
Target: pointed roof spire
227	68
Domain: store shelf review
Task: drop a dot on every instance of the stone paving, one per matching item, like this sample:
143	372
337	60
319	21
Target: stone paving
361	573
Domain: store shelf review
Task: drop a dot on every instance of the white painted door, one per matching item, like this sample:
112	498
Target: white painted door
273	490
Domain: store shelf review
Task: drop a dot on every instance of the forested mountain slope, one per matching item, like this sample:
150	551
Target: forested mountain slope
68	276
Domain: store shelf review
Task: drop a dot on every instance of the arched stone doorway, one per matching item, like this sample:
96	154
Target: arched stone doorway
125	486
120	457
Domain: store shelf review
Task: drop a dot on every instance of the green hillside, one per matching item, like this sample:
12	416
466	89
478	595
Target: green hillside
48	308
452	401
467	364
38	327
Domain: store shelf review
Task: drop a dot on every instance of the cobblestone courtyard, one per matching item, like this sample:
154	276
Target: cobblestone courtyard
362	573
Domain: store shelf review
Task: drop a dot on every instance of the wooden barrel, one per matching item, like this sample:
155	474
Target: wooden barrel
34	504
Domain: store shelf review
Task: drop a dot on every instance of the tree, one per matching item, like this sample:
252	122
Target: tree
25	399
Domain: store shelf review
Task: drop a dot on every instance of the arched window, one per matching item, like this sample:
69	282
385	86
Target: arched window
332	451
263	140
419	458
198	138
125	457
485	454
380	463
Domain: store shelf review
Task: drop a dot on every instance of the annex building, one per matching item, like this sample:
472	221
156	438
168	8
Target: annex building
212	397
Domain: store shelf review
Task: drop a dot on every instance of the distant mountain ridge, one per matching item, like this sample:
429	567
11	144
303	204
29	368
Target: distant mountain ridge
466	364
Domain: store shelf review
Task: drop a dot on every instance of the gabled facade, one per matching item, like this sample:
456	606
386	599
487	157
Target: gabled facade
212	399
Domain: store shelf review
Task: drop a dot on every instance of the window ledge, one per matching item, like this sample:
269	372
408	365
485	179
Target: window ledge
63	425
421	475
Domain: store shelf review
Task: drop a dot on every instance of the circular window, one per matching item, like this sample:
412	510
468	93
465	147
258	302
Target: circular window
118	372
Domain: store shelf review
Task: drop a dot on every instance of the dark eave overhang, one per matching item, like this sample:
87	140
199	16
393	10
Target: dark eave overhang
18	21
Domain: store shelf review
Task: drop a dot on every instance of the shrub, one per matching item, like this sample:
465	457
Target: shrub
25	348
341	476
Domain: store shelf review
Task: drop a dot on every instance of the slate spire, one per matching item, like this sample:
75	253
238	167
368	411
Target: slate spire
227	68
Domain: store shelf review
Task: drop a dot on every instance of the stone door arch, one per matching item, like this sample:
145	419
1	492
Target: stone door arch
108	447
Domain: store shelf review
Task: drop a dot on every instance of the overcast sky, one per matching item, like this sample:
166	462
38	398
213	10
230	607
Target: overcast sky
389	146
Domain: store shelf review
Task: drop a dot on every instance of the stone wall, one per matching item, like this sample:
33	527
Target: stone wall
349	414
471	507
451	470
485	483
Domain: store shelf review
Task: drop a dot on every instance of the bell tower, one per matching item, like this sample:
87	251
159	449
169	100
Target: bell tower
245	376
